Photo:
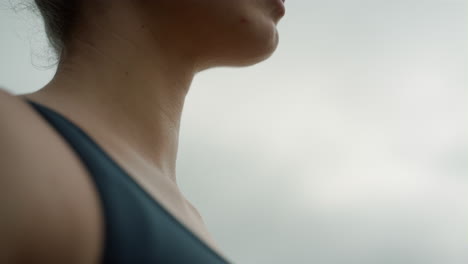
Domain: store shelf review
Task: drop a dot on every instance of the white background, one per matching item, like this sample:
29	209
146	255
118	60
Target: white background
349	145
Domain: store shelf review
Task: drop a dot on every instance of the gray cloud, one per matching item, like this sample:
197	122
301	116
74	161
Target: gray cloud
349	145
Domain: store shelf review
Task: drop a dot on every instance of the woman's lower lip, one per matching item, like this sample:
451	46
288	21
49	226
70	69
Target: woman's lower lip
280	6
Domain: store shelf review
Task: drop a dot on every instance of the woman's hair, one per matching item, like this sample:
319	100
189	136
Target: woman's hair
59	20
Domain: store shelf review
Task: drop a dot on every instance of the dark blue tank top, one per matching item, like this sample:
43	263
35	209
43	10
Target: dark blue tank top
137	228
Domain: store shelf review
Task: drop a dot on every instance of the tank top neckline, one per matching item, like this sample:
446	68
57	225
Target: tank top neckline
124	172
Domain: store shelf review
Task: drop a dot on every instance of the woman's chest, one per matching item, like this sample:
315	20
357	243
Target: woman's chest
164	197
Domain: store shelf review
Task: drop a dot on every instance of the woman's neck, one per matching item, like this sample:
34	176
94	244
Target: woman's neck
137	93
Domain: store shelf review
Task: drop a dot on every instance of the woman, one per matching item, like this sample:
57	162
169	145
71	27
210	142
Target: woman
88	161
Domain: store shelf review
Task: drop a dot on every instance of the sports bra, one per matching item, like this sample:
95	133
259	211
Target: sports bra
137	228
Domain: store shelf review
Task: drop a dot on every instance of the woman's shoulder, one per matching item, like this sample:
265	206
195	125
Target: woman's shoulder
49	206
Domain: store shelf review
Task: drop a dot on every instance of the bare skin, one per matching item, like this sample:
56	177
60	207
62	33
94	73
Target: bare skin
124	81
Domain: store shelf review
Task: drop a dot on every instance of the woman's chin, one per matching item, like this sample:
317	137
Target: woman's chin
263	42
251	52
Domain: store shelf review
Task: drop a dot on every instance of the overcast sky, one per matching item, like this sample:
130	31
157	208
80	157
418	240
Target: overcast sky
349	145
